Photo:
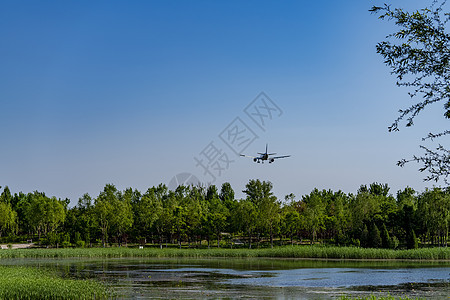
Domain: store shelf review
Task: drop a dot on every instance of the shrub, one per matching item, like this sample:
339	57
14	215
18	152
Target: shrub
395	242
356	242
80	244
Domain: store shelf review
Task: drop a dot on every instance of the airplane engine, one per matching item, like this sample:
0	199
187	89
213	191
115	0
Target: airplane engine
255	160
271	160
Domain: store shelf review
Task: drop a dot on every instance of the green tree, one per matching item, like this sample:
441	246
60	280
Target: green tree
406	197
8	218
374	237
168	221
412	241
434	213
365	206
163	224
192	203
364	236
245	217
123	215
336	219
266	205
44	214
217	212
80	222
418	53
21	202
385	238
147	210
186	213
5	196
113	212
228	199
291	223
87	224
314	213
104	210
227	195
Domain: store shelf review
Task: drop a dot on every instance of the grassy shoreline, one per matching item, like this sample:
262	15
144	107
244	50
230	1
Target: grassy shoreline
312	252
31	283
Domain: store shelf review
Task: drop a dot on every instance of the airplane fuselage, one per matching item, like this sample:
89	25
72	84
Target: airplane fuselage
265	156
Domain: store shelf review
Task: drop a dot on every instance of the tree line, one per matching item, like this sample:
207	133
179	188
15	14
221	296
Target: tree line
198	216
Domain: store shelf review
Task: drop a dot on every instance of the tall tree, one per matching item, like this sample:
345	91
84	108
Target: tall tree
434	212
44	214
419	54
314	213
217	212
245	217
5	196
8	218
113	212
406	197
146	209
291	222
80	222
385	238
227	197
123	215
227	194
163	224
336	211
266	204
365	207
104	210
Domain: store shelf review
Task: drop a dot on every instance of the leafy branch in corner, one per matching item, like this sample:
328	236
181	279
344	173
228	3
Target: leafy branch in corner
419	55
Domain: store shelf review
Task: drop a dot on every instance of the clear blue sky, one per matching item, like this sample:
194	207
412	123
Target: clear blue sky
129	92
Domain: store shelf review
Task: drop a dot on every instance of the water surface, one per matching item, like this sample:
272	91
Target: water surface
226	278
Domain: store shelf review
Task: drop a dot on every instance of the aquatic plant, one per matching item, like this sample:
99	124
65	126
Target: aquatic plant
320	252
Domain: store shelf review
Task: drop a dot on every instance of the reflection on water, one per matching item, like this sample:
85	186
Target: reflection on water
256	278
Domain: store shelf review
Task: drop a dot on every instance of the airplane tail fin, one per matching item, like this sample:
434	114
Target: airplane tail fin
269	153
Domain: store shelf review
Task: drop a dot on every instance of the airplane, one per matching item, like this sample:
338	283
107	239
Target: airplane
265	156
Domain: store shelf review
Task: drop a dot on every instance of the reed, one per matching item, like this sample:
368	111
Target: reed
320	252
31	283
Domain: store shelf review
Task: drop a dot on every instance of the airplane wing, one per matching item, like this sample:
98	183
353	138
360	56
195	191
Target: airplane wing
284	156
248	156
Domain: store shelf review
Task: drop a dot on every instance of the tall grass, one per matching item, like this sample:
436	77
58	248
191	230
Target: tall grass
30	283
280	252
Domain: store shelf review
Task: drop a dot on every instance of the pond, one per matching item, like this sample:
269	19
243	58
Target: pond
255	278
